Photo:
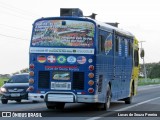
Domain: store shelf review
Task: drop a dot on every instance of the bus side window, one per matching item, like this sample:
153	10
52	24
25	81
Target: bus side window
136	59
117	44
129	48
101	43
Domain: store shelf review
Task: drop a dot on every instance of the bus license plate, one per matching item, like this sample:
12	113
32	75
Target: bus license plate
61	85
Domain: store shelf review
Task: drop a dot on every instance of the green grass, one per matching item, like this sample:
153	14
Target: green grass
2	81
148	81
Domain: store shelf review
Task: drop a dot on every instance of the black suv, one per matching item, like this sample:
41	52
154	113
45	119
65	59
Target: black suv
15	88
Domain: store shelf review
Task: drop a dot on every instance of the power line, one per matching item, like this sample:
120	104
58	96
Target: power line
13	37
14	27
15	15
10	11
18	10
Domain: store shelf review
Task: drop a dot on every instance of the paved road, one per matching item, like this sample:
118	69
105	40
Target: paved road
146	102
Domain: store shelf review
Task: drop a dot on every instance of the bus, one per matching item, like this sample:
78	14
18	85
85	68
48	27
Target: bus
77	59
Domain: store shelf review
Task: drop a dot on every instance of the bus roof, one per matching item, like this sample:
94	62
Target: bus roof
116	29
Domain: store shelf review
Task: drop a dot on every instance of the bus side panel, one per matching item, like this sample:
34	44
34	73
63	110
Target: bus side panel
104	65
128	66
123	66
104	73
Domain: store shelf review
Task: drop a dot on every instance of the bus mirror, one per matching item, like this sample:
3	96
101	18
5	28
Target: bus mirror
142	53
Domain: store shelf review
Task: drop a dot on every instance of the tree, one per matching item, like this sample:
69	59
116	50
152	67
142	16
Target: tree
155	71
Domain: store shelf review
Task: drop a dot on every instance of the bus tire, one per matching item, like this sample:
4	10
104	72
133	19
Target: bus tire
35	101
50	105
60	106
106	105
129	99
18	101
4	101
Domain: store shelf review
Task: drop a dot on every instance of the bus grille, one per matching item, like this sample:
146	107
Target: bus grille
78	81
44	78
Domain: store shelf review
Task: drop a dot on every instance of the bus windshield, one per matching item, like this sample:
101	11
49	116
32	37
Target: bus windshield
63	33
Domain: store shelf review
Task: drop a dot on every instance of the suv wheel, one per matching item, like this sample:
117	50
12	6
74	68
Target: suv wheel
4	101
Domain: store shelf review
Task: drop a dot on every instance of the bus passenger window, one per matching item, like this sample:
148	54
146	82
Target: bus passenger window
117	44
136	58
101	43
129	48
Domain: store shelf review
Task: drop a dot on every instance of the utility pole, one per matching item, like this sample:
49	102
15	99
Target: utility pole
144	67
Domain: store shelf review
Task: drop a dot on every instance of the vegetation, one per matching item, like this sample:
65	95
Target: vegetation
148	81
5	77
152	69
25	70
153	74
2	81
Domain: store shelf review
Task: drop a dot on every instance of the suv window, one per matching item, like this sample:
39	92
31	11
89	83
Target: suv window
19	79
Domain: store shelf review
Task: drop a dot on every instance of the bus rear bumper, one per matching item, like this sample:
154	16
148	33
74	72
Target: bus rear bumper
36	96
70	97
87	98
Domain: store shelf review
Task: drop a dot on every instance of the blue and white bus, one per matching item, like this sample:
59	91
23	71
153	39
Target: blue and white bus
75	59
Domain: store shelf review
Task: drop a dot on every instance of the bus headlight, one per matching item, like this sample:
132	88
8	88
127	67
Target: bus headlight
31	66
31	81
31	73
91	82
90	90
90	75
91	67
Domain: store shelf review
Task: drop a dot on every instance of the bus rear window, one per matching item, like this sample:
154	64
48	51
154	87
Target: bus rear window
63	33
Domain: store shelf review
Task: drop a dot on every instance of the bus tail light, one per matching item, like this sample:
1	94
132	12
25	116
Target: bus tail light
31	81
31	66
90	75
91	67
31	88
90	90
31	73
91	82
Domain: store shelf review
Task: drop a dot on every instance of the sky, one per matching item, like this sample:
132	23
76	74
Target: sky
140	17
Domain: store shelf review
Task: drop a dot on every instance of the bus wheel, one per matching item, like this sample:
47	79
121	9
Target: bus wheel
106	105
60	106
129	99
18	101
50	105
4	101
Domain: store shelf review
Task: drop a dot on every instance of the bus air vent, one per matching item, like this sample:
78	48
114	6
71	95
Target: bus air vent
43	79
100	83
78	81
71	12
